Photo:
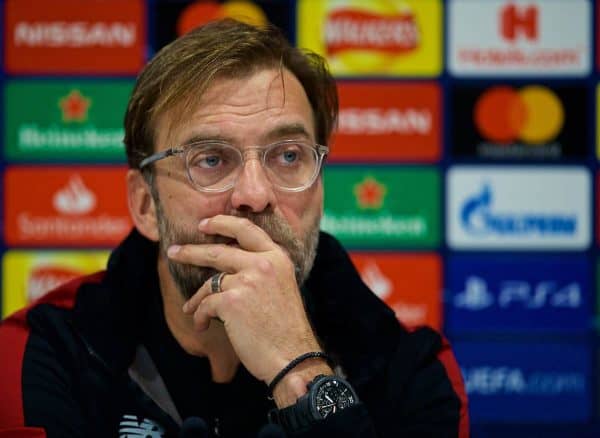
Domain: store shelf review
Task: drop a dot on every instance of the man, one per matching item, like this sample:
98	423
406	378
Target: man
226	308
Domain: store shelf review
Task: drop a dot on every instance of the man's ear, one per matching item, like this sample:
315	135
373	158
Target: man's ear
141	205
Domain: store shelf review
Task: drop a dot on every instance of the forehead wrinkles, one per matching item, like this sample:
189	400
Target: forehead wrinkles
223	97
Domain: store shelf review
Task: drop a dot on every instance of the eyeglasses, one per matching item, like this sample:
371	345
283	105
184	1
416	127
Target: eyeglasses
214	166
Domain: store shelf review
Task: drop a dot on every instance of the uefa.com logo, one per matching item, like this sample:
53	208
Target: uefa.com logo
537	37
545	382
518	207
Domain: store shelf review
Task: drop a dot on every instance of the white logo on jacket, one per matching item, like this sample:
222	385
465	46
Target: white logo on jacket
131	426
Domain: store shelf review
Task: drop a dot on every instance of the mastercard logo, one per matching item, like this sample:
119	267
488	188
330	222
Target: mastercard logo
202	12
532	114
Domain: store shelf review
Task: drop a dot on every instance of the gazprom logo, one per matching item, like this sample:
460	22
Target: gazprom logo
478	217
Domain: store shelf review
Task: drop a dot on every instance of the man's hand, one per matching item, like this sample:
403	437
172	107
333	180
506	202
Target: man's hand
260	303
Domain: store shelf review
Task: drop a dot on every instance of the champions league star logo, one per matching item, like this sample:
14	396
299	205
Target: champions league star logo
74	107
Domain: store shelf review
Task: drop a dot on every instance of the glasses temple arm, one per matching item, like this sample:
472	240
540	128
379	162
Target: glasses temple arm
157	156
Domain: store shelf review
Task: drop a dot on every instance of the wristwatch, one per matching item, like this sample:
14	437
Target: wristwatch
326	396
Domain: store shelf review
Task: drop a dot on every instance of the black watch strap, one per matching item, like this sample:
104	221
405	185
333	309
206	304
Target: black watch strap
293	418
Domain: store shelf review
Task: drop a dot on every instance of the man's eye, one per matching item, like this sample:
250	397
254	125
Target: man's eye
289	156
209	161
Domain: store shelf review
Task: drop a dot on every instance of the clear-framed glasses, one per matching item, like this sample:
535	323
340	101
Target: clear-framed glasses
214	166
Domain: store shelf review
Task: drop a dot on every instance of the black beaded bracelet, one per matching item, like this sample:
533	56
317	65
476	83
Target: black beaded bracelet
281	374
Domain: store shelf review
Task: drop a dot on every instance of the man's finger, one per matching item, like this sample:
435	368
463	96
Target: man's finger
249	235
206	311
223	258
204	290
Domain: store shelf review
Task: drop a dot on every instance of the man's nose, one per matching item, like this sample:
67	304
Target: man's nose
252	190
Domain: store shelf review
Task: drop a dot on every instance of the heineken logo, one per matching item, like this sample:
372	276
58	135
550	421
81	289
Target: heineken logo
74	107
377	207
370	194
73	121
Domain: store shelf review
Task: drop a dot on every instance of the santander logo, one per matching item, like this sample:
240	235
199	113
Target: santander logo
376	280
352	29
75	198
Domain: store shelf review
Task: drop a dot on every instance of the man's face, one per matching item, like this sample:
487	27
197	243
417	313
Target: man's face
252	111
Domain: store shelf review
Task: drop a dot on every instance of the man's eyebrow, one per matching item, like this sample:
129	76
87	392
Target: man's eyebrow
288	130
280	132
194	138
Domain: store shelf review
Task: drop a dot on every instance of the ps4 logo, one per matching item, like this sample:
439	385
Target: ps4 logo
511	293
478	218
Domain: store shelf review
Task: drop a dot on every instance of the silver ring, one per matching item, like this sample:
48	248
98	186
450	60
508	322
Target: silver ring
215	282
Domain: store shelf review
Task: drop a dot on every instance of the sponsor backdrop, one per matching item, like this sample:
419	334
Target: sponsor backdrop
463	177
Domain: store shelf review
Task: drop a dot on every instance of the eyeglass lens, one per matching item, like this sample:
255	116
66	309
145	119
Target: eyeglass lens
289	164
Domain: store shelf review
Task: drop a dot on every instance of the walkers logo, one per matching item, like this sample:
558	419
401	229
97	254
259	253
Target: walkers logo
388	121
519	294
379	207
410	284
377	37
530	122
518	207
28	275
347	29
71	121
535	38
74	37
526	382
65	206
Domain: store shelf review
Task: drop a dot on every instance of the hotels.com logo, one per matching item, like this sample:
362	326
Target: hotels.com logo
516	21
532	114
353	29
535	38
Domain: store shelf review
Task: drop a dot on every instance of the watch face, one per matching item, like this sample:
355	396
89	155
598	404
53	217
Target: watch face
332	396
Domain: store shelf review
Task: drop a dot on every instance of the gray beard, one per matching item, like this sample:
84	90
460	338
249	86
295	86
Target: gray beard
189	278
